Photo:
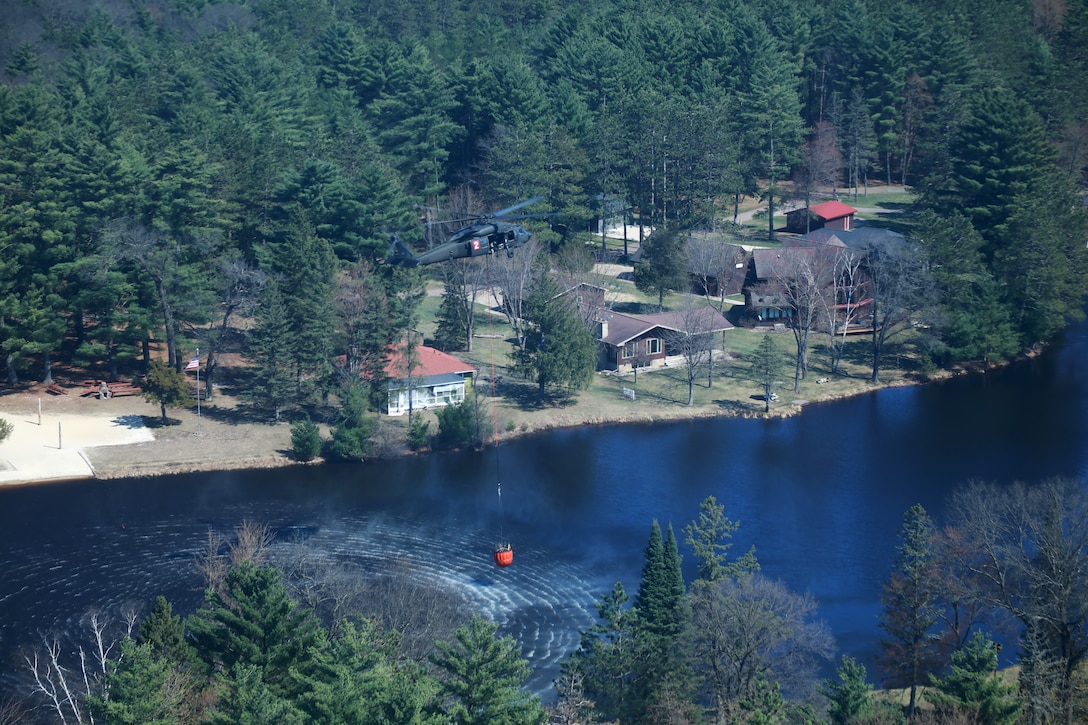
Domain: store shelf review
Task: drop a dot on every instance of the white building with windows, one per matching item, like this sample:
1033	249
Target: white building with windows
433	380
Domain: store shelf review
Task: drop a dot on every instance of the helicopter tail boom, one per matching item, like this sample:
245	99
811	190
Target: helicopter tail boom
400	255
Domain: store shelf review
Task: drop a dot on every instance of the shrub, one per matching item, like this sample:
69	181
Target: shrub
348	444
418	433
351	439
306	440
460	425
5	429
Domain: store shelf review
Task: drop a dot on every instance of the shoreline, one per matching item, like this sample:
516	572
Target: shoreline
109	440
112	442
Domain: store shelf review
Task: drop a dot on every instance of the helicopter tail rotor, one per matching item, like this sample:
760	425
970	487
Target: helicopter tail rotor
400	254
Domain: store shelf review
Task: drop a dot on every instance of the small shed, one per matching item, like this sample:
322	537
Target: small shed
832	215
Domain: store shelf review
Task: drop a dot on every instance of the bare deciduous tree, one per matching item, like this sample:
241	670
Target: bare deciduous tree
573	707
240	288
898	284
804	275
711	264
821	167
843	301
1029	552
693	341
511	278
754	627
14	711
66	688
51	681
395	593
211	563
250	543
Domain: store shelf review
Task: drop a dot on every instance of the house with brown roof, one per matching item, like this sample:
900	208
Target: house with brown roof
832	215
630	341
435	379
716	269
840	264
588	299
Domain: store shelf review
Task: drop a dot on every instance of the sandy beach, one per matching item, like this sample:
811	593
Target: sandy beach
89	438
55	445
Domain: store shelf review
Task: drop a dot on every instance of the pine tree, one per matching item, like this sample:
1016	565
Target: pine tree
167	387
351	438
258	638
974	688
851	696
654	600
767	364
372	682
451	332
413	114
976	323
708	538
304	265
1044	274
559	350
911	607
770	122
662	266
483	677
269	349
138	689
662	618
248	700
1000	153
164	633
607	658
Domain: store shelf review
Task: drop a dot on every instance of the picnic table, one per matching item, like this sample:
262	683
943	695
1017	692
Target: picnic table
105	390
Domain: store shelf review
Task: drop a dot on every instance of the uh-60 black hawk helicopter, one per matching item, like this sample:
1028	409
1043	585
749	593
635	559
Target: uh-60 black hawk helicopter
488	234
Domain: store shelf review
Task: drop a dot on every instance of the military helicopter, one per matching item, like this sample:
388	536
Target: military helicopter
488	234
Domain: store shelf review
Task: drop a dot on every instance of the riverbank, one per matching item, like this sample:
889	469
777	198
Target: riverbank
66	437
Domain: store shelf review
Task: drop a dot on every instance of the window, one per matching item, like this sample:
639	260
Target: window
630	350
653	345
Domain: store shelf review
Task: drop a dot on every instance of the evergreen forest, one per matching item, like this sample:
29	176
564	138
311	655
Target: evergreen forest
227	175
174	172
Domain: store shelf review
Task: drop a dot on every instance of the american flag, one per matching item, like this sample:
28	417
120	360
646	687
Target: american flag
194	363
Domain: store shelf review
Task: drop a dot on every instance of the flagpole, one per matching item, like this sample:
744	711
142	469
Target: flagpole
198	391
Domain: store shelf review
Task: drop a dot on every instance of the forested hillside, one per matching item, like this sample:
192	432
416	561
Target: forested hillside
227	175
168	168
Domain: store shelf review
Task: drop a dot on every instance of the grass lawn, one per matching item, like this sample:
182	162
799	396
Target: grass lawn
662	393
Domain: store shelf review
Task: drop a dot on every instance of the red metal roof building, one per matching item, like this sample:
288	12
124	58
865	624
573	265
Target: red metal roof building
828	215
437	380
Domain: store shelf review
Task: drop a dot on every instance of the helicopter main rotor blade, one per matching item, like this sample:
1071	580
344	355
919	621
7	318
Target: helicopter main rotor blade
542	215
499	215
515	207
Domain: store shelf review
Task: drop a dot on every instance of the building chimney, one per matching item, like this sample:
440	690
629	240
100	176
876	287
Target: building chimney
604	329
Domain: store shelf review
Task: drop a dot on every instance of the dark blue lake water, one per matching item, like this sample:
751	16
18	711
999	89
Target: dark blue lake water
820	495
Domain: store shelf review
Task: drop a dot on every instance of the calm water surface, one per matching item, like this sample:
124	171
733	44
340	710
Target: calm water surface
820	495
